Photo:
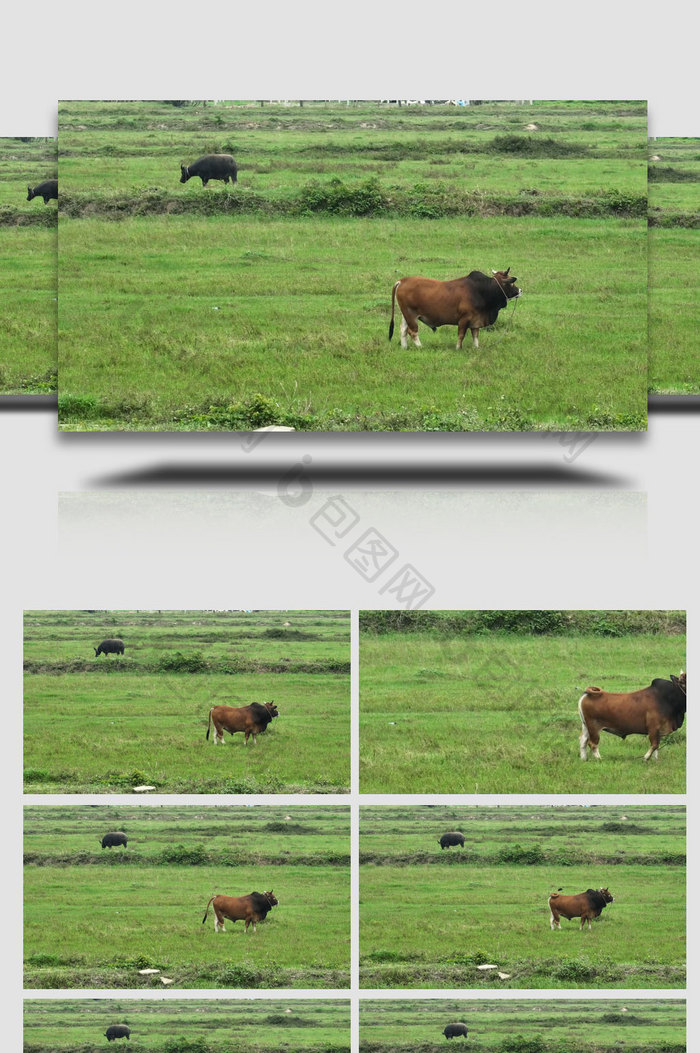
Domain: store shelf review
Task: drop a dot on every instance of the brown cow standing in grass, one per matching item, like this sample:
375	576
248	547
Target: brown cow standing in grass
469	303
655	711
585	905
252	720
250	909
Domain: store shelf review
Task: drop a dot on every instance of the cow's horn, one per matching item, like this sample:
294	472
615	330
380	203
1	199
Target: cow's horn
508	271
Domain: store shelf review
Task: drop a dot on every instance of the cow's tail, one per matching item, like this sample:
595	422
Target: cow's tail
206	912
209	725
393	302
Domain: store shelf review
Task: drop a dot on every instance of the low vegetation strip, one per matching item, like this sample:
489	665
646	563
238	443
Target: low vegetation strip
362	198
536	623
182	855
192	662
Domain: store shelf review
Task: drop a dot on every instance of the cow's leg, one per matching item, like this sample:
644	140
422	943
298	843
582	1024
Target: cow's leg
593	740
654	739
247	735
554	921
409	328
583	743
218	921
475	337
653	750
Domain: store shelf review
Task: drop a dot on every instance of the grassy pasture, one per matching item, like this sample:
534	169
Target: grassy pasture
454	713
674	315
229	308
557	1025
27	269
212	1026
152	897
494	910
141	718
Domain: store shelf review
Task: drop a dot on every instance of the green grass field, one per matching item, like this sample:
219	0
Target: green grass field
94	917
141	718
498	713
674	315
230	308
191	1026
429	918
28	271
514	1026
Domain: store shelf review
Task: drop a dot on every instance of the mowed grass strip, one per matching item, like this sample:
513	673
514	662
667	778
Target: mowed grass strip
428	927
109	733
566	1025
298	311
249	1025
96	927
500	714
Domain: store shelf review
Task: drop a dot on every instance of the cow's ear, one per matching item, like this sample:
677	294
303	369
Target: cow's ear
512	280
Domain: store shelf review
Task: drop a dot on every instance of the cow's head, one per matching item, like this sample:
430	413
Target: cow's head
271	898
606	895
184	173
272	709
679	681
30	193
507	284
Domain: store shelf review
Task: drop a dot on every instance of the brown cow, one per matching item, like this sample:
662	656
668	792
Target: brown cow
469	303
252	908
655	711
252	720
586	905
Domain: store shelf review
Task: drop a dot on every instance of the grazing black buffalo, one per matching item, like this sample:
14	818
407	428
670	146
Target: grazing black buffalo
117	1031
110	647
115	838
452	1030
211	166
48	189
452	837
469	303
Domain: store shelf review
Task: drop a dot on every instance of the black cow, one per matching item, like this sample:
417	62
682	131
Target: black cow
452	1030
211	166
115	838
110	647
469	303
48	189
117	1031
452	837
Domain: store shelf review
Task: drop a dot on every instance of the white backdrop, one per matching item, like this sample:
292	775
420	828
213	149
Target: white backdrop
501	521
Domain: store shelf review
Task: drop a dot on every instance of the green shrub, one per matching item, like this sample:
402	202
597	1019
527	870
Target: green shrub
192	662
190	855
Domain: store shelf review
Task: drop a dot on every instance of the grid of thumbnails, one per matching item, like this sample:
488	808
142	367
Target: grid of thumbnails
383	831
397	265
